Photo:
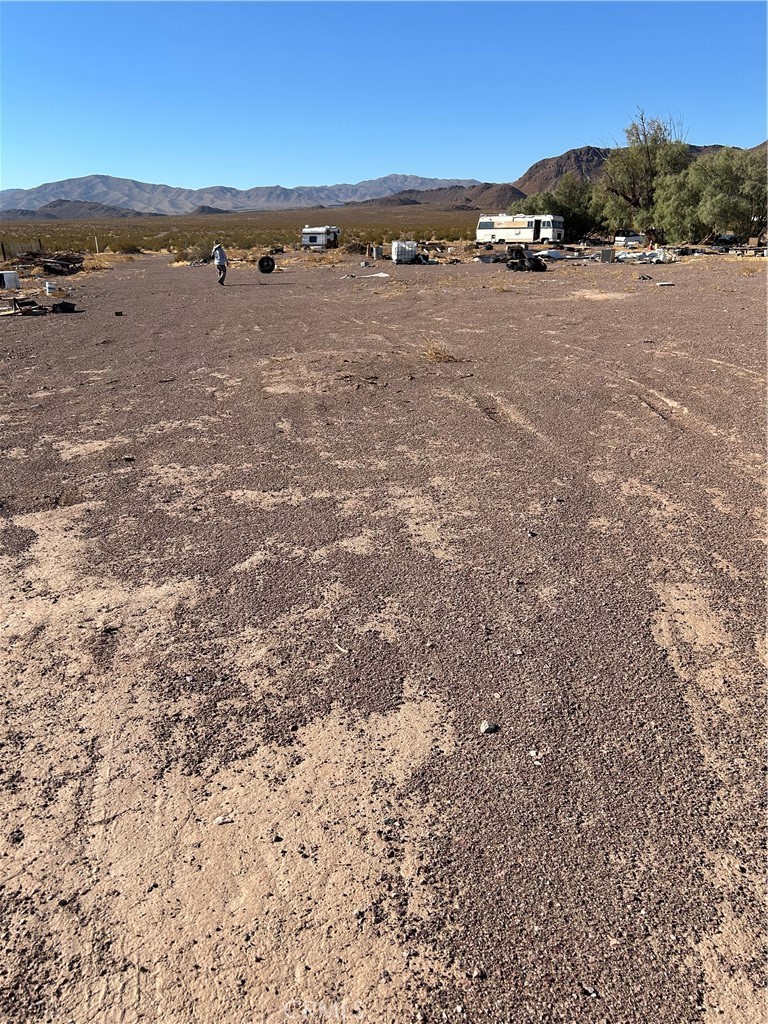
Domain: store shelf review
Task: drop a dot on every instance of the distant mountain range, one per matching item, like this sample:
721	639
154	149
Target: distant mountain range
483	196
140	197
100	196
69	209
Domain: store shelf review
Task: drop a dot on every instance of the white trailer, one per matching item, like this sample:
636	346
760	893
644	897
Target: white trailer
320	238
519	227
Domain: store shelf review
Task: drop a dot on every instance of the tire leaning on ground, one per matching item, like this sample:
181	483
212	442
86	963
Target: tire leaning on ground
266	264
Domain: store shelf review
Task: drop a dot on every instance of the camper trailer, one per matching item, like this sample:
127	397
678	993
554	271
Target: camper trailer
320	238
519	227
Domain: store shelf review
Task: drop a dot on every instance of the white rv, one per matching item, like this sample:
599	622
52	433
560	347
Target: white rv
320	238
519	227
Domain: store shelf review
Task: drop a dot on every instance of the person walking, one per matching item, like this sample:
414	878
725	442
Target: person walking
220	259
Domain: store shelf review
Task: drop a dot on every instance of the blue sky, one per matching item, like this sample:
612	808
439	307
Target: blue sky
247	93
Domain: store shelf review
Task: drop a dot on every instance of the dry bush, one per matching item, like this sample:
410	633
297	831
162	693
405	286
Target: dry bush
322	259
393	289
501	283
754	266
103	261
436	354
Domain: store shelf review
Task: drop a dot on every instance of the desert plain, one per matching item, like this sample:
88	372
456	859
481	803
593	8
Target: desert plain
272	553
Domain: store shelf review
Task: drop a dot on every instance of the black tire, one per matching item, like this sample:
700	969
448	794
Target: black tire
266	264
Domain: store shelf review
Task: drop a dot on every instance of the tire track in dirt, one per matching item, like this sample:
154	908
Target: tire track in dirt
722	694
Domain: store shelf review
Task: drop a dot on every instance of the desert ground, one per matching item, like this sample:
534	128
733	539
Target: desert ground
271	553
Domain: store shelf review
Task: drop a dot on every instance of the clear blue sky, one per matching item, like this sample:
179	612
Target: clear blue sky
246	93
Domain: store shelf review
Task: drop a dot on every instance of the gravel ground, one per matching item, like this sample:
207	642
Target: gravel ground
272	552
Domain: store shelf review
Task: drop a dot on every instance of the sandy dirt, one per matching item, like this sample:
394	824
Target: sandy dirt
270	555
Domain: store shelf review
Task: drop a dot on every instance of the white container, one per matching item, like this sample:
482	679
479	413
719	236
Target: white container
51	287
403	252
9	279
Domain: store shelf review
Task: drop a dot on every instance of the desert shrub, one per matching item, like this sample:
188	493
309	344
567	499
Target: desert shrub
438	354
194	235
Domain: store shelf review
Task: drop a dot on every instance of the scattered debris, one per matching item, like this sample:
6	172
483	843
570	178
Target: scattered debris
488	727
552	254
223	819
523	259
665	284
52	263
63	307
27	307
361	276
646	256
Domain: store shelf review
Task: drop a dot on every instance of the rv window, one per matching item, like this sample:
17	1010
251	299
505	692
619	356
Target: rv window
313	238
546	223
485	225
530	223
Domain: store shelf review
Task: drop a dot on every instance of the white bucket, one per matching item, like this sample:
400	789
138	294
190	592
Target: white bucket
51	287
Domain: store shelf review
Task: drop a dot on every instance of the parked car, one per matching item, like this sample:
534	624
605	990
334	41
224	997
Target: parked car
628	239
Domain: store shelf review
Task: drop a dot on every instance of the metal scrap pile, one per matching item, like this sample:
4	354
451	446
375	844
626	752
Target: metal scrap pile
51	263
31	307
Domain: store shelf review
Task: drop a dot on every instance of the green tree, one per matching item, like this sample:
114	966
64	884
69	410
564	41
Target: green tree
571	199
732	187
627	186
719	192
676	208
